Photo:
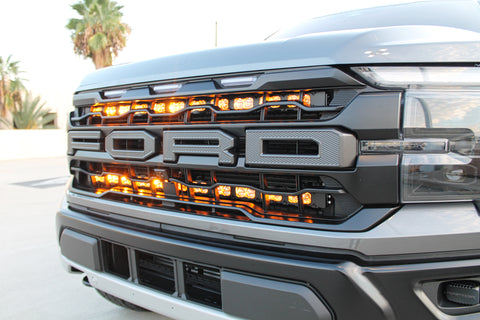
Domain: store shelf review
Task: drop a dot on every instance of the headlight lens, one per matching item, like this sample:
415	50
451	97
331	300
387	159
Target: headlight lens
451	174
420	77
441	131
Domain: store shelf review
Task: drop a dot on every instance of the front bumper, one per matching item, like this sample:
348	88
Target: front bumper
309	287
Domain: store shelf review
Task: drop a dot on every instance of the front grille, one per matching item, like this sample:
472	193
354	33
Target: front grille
275	152
268	198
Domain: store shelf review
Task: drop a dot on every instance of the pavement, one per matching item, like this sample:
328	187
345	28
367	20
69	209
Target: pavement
33	283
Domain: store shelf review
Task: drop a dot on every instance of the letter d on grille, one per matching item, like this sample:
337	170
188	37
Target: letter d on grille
300	148
200	143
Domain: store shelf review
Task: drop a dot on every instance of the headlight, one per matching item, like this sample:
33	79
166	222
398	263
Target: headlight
441	131
420	77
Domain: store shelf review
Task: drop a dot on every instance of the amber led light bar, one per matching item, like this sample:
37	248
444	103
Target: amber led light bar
228	195
219	102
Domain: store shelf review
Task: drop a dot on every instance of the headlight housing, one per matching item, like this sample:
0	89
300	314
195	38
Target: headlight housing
441	131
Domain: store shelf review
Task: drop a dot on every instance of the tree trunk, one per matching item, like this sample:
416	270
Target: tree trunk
102	58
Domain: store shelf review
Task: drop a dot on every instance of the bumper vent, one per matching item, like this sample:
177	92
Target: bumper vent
202	284
156	272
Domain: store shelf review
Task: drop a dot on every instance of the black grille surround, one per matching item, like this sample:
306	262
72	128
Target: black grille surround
111	164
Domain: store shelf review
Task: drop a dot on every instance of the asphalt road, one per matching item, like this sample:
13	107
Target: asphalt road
33	283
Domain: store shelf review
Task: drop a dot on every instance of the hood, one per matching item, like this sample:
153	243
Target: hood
388	45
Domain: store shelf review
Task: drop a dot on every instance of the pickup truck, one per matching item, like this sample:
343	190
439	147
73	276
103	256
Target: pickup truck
329	172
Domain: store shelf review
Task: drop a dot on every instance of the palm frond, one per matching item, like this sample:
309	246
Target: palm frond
30	114
98	31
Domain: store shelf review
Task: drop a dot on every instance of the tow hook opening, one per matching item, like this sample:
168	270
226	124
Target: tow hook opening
86	282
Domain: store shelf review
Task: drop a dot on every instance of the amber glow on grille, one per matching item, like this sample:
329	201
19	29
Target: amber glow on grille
96	108
140	106
175	106
125	181
306	100
182	187
200	190
125	190
198	102
142	185
293	199
159	107
273	98
123	108
293	97
243	103
225	191
307	198
97	179
223	104
273	197
242	192
157	184
112	179
110	111
229	196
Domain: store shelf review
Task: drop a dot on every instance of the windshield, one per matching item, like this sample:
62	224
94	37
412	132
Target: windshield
456	14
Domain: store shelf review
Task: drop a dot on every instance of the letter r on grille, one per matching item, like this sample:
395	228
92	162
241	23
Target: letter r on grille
208	142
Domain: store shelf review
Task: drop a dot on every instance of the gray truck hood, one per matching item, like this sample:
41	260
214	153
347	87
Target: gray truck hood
389	45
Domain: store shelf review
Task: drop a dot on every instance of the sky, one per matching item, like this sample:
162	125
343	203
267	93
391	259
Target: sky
34	33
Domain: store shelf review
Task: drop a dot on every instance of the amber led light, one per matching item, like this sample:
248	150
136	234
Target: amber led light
140	106
243	103
273	197
175	106
159	107
307	198
112	179
223	104
110	111
96	108
293	199
157	184
198	102
98	179
125	181
200	190
225	191
307	100
243	192
142	185
230	196
122	109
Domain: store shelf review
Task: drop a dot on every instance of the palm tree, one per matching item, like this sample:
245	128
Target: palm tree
99	34
11	85
30	114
